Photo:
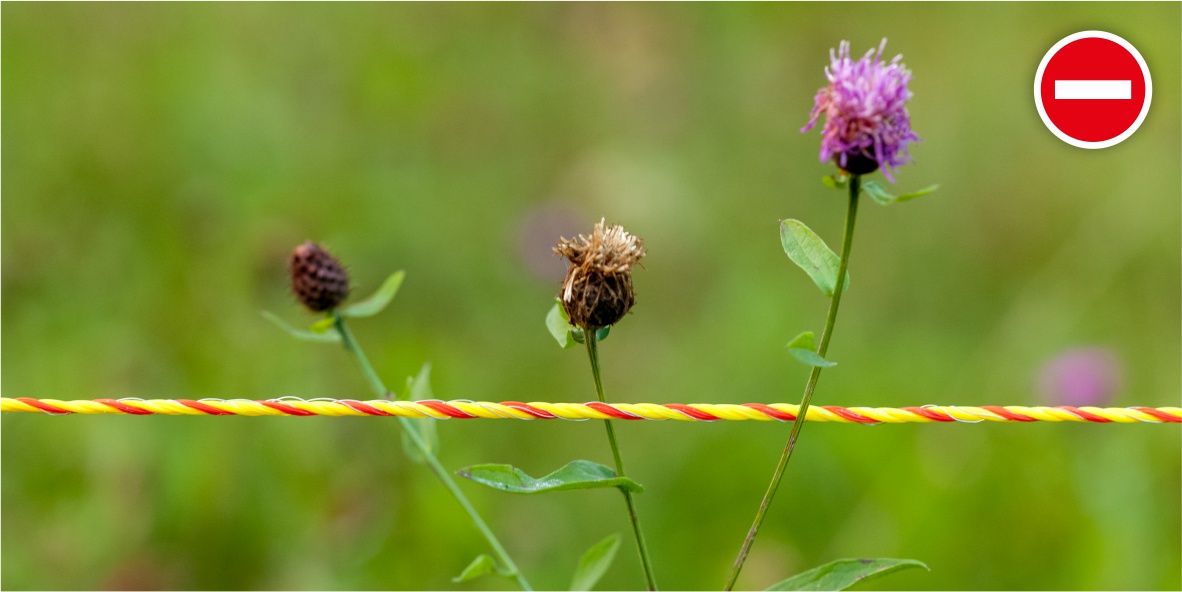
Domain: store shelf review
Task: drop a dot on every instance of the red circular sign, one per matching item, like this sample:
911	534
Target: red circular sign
1093	89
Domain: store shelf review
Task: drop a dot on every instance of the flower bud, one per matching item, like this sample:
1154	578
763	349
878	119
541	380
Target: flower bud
318	279
597	291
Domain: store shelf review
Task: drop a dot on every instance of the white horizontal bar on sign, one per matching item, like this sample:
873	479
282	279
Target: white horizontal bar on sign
1094	89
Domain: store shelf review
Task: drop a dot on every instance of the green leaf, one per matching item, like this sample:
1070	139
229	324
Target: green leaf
483	564
378	300
810	357
561	328
323	325
579	474
805	340
835	182
880	195
811	254
915	194
843	573
594	563
803	346
566	334
417	389
329	337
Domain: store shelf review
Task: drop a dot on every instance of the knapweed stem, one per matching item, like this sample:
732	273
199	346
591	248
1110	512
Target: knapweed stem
834	302
375	383
592	339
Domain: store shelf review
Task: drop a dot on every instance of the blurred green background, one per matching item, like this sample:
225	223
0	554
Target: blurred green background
161	161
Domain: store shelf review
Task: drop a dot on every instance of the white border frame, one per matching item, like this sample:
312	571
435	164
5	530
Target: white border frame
1038	89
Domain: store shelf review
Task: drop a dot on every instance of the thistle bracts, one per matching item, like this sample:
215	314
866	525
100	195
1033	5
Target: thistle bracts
597	291
318	279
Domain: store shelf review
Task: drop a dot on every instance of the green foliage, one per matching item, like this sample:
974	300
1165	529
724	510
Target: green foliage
594	563
325	336
419	388
560	328
803	347
835	181
323	325
171	161
843	573
482	565
805	340
811	254
579	474
882	197
377	301
566	334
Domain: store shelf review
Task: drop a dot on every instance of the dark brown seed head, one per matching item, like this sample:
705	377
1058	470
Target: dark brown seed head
318	279
597	291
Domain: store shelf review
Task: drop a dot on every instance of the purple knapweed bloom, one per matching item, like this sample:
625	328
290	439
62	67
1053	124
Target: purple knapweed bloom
1088	376
866	122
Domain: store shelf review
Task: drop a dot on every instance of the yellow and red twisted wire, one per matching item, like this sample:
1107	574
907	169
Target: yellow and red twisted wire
700	412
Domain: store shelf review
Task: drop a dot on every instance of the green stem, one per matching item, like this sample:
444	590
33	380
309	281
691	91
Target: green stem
592	338
375	382
831	319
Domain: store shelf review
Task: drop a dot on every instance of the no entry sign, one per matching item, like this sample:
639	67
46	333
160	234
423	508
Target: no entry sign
1093	89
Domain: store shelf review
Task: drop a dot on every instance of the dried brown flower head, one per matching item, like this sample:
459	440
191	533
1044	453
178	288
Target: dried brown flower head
597	291
318	279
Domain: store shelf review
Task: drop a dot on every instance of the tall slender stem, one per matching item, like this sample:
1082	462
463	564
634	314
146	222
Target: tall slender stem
379	388
831	319
592	340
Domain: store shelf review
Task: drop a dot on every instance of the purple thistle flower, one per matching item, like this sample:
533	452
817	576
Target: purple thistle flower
866	122
1081	377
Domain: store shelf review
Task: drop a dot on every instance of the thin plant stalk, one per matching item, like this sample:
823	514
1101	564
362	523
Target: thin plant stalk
798	424
379	388
592	339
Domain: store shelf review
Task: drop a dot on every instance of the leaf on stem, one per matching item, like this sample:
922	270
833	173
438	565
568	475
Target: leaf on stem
803	347
882	197
378	300
418	388
302	335
835	181
843	573
483	564
560	327
579	474
594	563
323	325
566	334
811	254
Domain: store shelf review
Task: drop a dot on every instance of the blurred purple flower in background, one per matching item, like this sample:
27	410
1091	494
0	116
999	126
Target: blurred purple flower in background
1088	376
866	121
539	227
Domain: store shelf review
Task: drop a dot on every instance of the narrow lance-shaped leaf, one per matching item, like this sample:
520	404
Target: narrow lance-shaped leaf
915	194
881	196
301	334
803	347
483	564
811	254
378	300
843	573
594	563
579	474
418	388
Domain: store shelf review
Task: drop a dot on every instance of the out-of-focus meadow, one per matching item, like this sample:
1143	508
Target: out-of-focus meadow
160	161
